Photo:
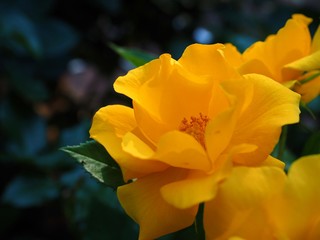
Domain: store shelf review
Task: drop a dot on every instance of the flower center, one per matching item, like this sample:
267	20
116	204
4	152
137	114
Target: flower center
195	127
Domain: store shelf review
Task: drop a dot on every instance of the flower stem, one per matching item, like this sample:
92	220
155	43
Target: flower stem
198	224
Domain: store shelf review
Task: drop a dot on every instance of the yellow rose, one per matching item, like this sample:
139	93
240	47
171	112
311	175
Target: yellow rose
264	203
192	120
286	56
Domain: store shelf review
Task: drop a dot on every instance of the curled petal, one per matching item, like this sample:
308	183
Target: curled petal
308	63
196	57
181	150
218	134
109	125
309	90
272	106
117	119
255	66
142	201
232	55
273	162
134	146
239	204
196	188
315	46
295	212
130	84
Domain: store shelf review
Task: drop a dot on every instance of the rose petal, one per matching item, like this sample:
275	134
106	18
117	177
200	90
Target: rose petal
181	150
238	210
142	201
109	125
196	188
272	106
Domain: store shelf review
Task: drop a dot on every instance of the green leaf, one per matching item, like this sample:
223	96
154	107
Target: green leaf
97	162
136	57
310	78
312	145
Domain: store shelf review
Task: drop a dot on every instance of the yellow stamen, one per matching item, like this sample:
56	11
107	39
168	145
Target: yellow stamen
195	127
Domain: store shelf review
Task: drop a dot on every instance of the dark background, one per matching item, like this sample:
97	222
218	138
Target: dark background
57	69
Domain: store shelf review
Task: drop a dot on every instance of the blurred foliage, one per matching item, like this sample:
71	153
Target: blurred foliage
57	69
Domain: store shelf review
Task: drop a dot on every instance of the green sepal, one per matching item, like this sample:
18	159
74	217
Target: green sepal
134	56
310	78
96	160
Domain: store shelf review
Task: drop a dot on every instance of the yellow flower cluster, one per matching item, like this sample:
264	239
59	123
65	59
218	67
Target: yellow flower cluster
201	130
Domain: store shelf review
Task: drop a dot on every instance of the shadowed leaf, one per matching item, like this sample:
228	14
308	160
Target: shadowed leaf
97	162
